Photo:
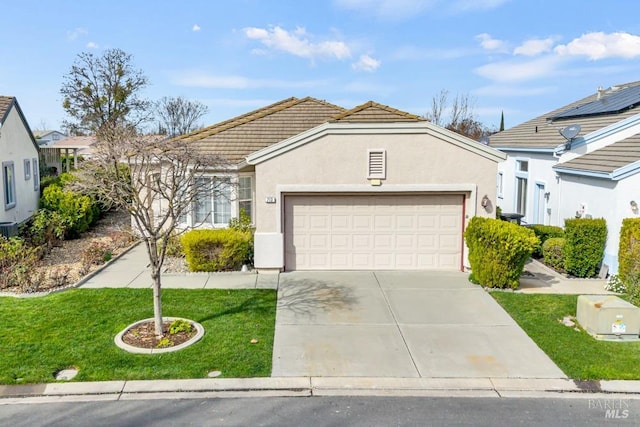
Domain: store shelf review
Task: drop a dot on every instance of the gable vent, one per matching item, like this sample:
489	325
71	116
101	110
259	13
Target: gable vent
377	164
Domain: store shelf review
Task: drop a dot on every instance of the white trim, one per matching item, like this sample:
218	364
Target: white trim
339	128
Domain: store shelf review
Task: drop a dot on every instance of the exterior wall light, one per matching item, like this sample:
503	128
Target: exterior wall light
634	207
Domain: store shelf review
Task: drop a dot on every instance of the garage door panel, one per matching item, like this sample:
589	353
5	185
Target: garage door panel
373	232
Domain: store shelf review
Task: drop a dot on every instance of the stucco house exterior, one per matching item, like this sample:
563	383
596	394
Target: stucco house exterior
20	167
548	178
330	189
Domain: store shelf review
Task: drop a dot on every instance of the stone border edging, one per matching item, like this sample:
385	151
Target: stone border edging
137	350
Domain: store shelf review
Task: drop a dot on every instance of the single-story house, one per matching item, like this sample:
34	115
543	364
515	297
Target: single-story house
362	189
580	160
20	167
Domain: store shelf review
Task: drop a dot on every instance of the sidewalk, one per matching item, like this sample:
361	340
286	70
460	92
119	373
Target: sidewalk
539	278
131	271
317	386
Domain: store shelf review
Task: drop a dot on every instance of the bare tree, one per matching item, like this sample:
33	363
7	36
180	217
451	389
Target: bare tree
179	115
461	117
156	181
103	91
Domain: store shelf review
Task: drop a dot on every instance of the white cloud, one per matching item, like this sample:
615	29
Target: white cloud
516	70
366	63
298	43
601	45
506	90
195	28
534	47
489	43
202	79
92	45
76	33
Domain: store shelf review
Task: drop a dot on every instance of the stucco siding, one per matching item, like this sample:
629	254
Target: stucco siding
341	160
16	146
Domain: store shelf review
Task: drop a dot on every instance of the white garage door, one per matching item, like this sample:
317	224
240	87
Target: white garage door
382	232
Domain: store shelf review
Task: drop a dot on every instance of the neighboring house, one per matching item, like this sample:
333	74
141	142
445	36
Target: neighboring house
20	168
330	189
548	178
46	138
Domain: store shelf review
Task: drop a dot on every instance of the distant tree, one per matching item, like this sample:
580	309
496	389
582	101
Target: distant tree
501	121
103	92
154	179
457	116
178	116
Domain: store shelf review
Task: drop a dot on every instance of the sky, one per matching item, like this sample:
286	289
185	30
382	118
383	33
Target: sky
520	57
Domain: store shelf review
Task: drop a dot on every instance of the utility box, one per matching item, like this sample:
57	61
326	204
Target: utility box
608	317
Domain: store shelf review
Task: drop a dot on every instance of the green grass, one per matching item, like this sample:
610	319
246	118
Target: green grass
40	336
578	354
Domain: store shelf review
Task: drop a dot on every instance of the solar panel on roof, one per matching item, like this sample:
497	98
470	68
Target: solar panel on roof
613	102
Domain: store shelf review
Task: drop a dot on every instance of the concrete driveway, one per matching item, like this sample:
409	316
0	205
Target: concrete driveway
398	324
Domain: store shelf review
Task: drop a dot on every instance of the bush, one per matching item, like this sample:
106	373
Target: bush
629	249
174	246
544	232
18	265
498	251
553	252
217	250
46	228
585	245
77	212
632	285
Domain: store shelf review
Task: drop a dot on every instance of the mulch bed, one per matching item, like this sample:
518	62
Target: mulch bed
144	335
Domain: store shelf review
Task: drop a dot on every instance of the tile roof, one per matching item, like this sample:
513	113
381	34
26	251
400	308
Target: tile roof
542	132
607	159
5	103
374	112
236	138
75	142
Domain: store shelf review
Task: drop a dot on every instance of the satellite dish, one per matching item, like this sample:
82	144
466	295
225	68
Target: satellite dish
570	132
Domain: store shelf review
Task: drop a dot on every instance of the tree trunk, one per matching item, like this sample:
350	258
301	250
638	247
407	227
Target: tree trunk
157	302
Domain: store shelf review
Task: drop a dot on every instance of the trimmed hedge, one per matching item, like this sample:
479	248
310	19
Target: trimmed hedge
217	250
629	249
584	249
544	232
553	252
497	251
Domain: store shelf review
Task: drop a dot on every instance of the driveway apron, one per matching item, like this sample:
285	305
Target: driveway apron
398	324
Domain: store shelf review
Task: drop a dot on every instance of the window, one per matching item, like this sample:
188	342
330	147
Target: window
9	183
245	196
500	185
36	174
213	202
27	169
376	164
523	166
521	195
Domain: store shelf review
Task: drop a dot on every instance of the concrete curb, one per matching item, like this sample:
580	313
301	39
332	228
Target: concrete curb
316	386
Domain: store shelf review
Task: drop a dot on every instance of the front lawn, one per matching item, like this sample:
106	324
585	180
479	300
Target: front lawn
578	354
40	336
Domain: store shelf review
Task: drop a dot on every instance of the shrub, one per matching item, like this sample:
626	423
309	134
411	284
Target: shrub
18	265
498	212
243	223
46	228
180	325
585	245
77	212
553	252
629	249
498	251
632	285
544	232
217	250
174	246
95	254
